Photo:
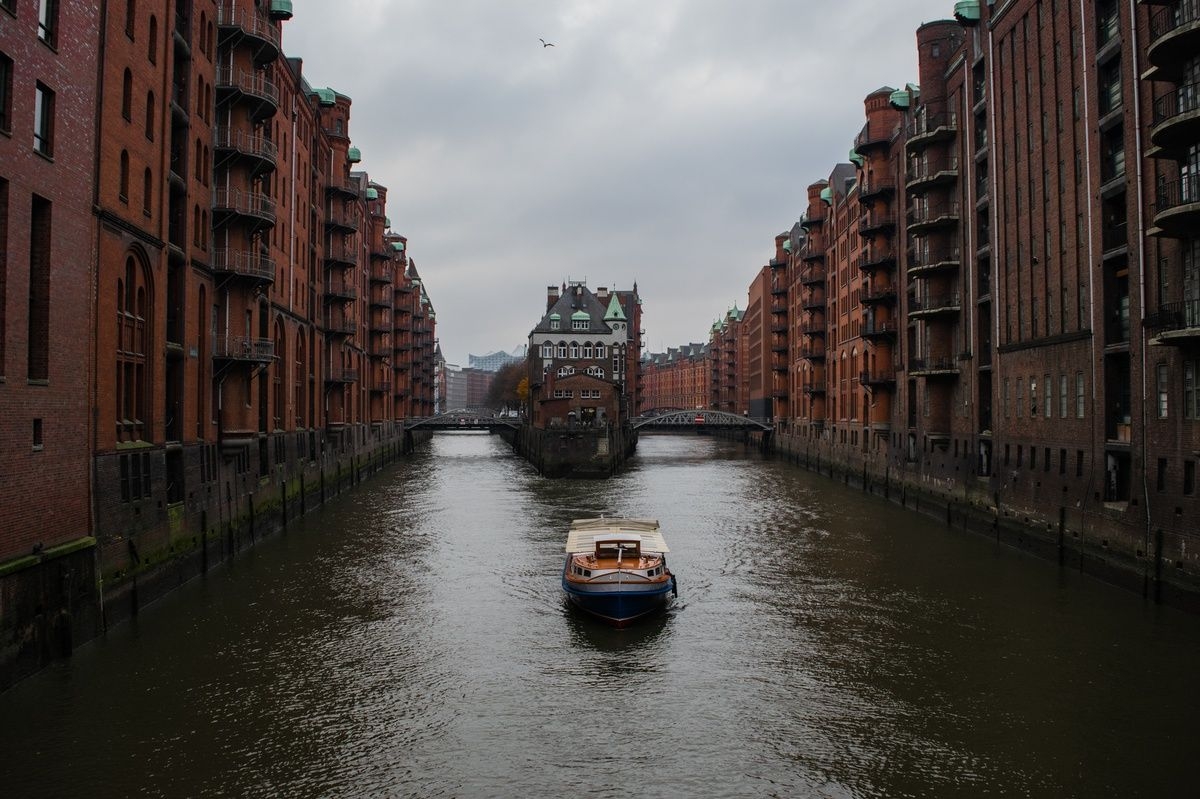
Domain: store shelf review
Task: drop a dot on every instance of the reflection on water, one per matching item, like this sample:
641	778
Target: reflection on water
412	639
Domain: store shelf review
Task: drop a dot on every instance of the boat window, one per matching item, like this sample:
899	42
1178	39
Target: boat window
587	572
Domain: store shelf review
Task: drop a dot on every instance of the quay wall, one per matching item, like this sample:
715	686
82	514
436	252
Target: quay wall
575	452
54	600
1097	541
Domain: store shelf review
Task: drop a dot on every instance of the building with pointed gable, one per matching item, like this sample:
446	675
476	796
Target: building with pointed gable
580	371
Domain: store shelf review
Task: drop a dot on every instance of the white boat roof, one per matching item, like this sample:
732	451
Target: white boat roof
584	533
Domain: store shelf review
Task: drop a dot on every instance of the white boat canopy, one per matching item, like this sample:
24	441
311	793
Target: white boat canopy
585	533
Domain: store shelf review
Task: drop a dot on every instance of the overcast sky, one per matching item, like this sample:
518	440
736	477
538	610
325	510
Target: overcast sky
659	141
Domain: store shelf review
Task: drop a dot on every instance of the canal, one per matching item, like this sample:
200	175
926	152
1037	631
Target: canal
410	639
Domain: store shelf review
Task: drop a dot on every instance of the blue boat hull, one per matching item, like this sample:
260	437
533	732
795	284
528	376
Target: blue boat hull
620	604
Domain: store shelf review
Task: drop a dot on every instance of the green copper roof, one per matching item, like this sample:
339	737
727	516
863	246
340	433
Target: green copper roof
967	11
856	158
326	96
787	245
614	312
555	317
398	246
353	155
580	316
827	195
899	98
387	221
281	9
372	194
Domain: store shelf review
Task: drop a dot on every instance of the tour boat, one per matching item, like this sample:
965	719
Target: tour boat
616	569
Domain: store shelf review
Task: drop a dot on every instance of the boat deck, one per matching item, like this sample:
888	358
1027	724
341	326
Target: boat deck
583	533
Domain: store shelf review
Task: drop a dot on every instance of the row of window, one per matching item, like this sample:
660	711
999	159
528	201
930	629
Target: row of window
576	324
584	393
1047	405
43	108
574	350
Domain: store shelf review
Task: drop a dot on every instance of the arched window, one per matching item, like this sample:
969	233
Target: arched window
124	187
547	350
150	116
200	96
196	226
210	40
132	347
127	95
279	369
199	159
299	374
208	103
205	172
147	191
204	229
152	44
130	17
203	33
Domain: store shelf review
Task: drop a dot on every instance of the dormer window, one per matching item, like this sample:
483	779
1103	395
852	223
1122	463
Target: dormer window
554	324
579	324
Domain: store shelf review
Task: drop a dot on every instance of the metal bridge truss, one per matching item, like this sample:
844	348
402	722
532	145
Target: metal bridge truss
462	419
699	419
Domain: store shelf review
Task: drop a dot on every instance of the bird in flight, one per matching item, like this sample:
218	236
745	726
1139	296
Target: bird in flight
546	43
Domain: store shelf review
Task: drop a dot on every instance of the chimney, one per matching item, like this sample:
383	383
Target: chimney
551	296
602	292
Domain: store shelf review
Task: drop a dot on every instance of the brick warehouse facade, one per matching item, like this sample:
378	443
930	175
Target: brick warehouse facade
995	305
244	331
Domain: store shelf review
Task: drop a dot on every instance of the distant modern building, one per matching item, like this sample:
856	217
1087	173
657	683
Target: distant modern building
466	387
496	360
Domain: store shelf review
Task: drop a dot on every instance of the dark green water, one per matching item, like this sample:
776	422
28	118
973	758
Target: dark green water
410	639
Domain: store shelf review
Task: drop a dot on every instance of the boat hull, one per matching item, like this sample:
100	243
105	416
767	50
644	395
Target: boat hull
620	604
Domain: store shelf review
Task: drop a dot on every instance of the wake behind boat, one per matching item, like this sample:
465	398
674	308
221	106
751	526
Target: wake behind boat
616	569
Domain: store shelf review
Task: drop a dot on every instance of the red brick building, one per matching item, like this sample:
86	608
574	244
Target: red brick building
47	174
1025	334
727	358
257	332
678	379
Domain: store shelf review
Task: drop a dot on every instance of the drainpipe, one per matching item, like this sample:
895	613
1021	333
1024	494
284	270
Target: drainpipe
1141	245
1087	148
93	510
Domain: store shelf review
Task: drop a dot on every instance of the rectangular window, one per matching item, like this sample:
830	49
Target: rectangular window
1033	401
1032	458
1046	459
6	78
1079	463
1163	385
1005	397
39	290
1189	478
1062	396
48	21
43	120
1079	395
1191	389
1020	397
1161	482
1062	461
1049	398
3	268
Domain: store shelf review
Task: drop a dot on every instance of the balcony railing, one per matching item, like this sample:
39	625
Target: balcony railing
244	348
932	366
245	203
245	264
927	215
251	84
934	303
249	21
933	259
1182	315
813	275
871	186
875	221
1176	121
873	327
245	143
1174	16
338	374
926	124
341	290
877	376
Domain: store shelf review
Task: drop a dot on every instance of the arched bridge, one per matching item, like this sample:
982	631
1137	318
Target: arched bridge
464	419
674	420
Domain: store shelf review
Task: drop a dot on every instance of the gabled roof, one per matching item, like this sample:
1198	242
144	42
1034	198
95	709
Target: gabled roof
614	312
577	303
